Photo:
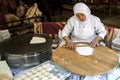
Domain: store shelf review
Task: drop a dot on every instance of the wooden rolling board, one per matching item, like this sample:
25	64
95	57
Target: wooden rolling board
102	61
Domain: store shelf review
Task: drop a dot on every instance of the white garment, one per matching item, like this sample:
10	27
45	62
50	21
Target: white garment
61	40
83	31
82	8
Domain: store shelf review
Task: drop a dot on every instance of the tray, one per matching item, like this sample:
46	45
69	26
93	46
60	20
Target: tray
45	71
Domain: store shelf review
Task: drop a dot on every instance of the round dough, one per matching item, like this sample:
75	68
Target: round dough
22	76
86	51
39	68
28	74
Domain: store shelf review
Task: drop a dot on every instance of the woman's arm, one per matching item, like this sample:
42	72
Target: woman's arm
66	33
101	32
69	43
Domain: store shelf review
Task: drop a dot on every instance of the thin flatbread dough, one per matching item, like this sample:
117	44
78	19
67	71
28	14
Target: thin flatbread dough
86	51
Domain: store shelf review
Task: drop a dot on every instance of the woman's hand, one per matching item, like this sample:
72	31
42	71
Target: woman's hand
95	42
70	45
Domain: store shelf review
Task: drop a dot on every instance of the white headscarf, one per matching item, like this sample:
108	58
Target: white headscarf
82	8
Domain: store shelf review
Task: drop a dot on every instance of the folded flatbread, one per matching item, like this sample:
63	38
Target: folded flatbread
37	40
86	51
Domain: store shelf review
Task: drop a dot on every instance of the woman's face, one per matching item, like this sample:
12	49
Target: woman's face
81	16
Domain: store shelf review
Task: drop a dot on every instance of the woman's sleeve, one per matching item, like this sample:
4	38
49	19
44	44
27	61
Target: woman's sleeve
68	28
99	28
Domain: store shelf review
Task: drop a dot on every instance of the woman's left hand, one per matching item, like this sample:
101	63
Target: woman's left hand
95	42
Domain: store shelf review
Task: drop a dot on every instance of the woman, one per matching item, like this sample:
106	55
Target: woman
83	27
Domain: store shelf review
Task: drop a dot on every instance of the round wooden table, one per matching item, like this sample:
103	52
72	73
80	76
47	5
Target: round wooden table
101	61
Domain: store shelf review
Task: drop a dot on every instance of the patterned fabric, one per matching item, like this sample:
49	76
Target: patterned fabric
22	10
38	28
109	36
6	17
112	33
12	17
49	28
52	28
32	12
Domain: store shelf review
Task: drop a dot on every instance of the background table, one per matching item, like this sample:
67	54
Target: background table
112	21
102	61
